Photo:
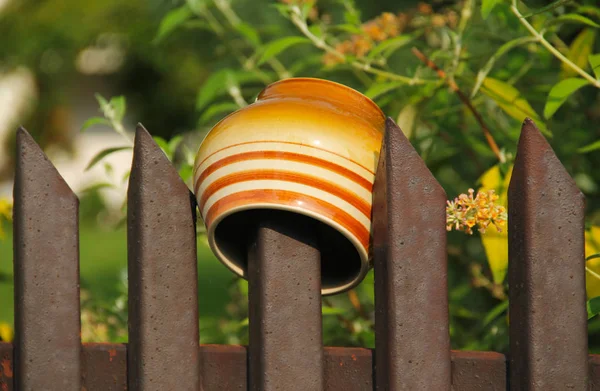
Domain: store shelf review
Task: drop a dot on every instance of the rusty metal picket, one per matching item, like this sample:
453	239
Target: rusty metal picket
548	334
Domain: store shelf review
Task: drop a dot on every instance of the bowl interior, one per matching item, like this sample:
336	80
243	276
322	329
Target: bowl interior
340	260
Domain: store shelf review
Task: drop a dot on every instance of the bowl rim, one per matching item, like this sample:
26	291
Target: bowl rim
364	256
323	81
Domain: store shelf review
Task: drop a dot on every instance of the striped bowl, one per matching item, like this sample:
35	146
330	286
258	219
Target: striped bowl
306	146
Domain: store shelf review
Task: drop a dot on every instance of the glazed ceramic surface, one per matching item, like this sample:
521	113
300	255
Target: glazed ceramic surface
306	146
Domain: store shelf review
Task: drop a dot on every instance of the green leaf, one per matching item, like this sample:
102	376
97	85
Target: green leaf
163	144
273	48
249	32
406	119
487	6
483	72
512	102
119	106
378	89
172	20
593	256
389	46
593	307
103	102
573	18
104	153
549	7
213	86
217	108
174	143
348	28
594	60
94	121
494	313
579	51
590	147
332	311
96	187
186	172
560	93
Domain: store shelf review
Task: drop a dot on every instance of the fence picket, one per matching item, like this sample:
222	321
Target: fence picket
46	270
162	269
286	341
411	294
548	322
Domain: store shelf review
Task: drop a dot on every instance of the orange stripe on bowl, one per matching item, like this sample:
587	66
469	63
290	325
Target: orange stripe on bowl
363	206
288	143
290	198
282	155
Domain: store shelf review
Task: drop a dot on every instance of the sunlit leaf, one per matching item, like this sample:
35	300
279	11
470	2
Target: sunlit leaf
406	119
332	311
94	121
273	48
573	18
592	266
212	87
174	143
495	243
389	46
560	93
172	20
163	144
590	147
119	106
217	108
594	60
483	72
579	51
104	153
378	89
547	8
487	6
512	102
249	32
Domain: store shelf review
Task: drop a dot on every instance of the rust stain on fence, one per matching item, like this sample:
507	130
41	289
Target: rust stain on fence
7	368
46	272
162	272
411	291
548	322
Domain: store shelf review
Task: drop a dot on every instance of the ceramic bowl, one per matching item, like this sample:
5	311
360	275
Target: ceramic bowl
306	146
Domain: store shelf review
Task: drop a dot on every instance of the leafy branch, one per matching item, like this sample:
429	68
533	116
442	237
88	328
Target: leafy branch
540	38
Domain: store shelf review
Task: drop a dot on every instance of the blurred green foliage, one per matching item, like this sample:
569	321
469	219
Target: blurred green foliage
189	63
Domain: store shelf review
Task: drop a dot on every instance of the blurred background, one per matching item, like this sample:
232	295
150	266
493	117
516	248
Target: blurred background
80	76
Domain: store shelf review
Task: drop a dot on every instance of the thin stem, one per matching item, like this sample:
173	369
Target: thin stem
540	38
236	94
234	20
321	44
454	87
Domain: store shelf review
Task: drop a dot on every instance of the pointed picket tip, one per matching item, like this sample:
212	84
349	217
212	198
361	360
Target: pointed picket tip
409	252
32	163
398	152
149	156
536	159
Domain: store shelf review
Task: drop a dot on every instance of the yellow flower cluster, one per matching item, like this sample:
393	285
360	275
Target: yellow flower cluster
385	26
467	211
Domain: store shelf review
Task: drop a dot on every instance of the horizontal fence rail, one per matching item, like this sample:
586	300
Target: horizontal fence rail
548	349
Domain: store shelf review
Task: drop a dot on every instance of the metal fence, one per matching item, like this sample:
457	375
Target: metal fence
548	323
